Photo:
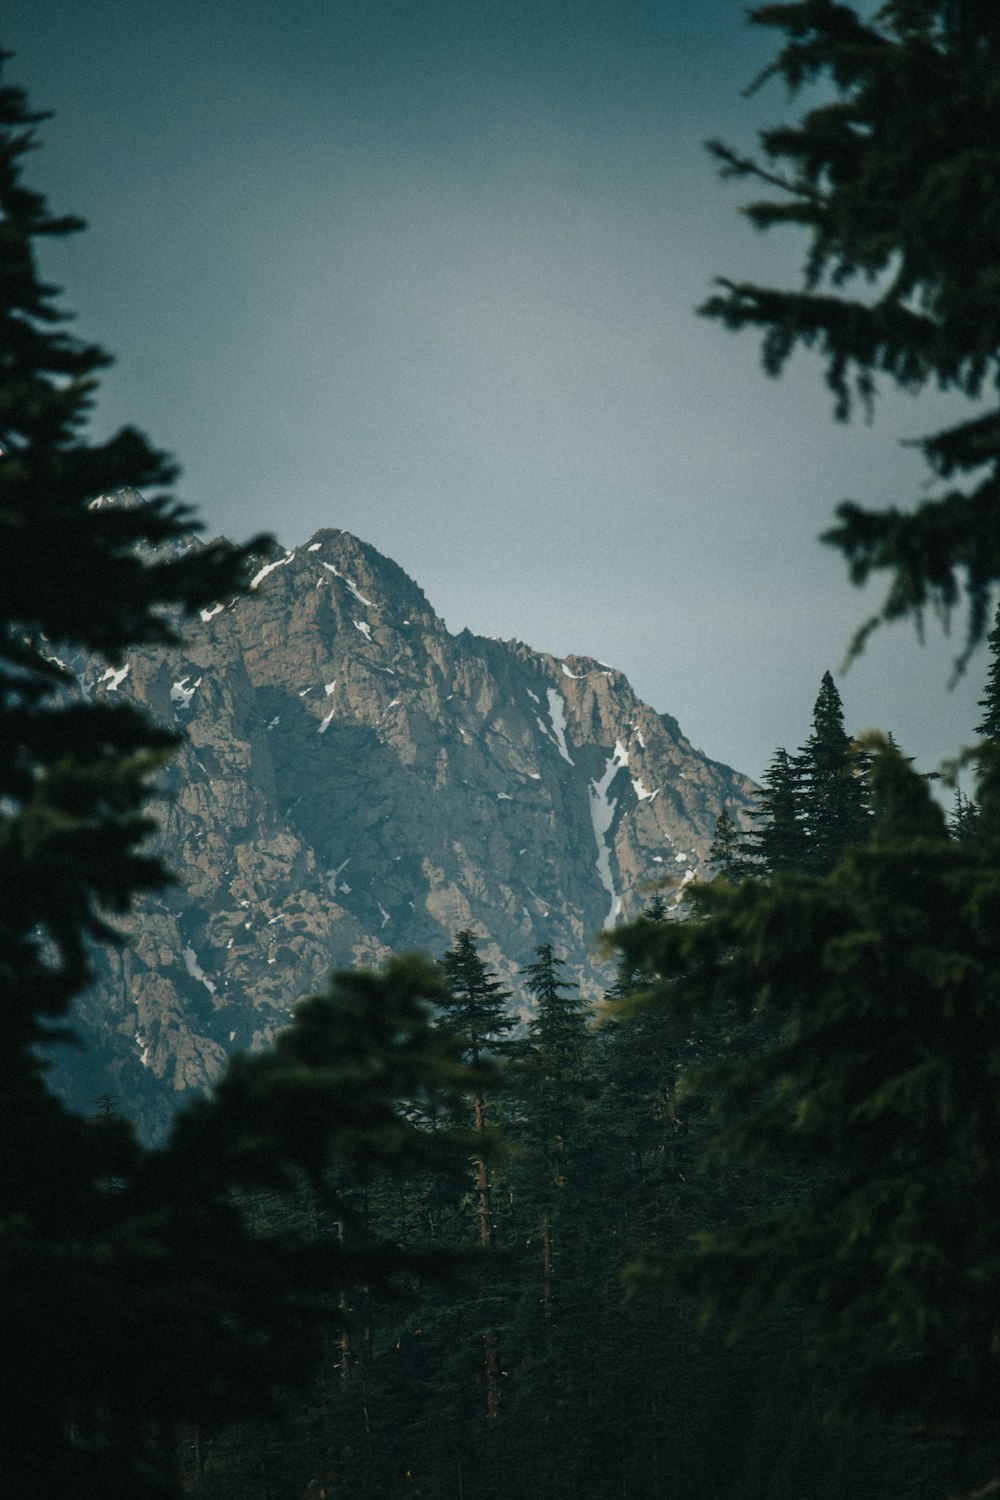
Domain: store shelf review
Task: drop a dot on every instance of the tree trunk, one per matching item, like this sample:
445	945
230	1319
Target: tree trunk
344	1340
547	1265
491	1352
491	1342
486	1234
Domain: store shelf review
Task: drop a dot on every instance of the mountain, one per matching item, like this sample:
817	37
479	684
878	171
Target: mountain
356	780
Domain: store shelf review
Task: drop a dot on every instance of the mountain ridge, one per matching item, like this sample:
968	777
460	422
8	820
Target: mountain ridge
355	780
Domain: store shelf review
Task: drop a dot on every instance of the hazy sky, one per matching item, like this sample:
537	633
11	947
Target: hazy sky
427	271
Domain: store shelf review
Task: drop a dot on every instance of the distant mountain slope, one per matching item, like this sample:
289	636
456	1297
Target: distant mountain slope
356	780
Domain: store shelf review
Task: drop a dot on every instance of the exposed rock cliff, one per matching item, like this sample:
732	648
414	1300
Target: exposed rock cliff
355	780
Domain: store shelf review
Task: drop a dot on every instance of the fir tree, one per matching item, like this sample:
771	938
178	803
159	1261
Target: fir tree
894	173
876	1081
554	1085
474	1006
989	726
727	852
964	817
138	1297
641	1057
475	1002
558	1027
779	843
833	795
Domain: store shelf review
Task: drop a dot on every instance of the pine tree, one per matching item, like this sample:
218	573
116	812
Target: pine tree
558	1027
641	1061
475	1004
989	726
557	1042
727	852
894	174
74	777
475	1008
964	818
876	1084
833	794
139	1298
780	842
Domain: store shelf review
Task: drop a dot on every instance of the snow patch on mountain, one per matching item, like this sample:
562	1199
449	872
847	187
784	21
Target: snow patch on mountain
602	814
113	679
181	694
195	970
350	584
557	713
258	578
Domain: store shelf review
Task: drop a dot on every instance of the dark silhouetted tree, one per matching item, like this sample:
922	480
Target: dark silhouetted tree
779	842
833	794
474	1006
894	174
989	725
138	1297
875	1083
727	854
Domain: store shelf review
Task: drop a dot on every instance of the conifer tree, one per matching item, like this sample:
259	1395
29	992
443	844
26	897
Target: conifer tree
894	174
558	1027
833	795
780	841
989	725
475	1002
554	1085
138	1296
474	1006
74	777
876	1081
727	852
641	1055
964	818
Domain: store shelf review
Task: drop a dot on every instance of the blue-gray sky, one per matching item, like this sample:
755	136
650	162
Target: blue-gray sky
428	271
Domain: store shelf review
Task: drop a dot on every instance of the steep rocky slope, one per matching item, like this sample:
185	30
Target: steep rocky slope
356	780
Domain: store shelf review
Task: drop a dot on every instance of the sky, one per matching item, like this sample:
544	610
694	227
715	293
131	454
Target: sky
427	270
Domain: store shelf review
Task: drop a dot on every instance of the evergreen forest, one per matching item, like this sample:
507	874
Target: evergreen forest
736	1230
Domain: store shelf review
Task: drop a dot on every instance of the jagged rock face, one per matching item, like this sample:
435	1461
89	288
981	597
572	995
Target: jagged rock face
355	780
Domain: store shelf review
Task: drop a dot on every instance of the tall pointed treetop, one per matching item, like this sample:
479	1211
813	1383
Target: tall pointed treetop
476	1002
833	795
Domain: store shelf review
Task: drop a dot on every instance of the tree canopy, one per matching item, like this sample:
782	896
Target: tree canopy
894	176
875	992
140	1292
866	981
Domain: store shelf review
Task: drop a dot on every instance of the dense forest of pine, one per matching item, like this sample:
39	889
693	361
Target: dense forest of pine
414	1249
556	1354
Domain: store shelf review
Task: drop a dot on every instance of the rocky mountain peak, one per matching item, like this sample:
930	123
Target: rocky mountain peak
354	781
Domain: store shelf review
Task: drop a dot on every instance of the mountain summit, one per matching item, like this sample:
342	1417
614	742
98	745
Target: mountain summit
354	781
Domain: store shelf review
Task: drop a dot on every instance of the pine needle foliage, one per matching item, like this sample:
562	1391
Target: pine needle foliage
727	854
474	1001
558	1028
989	725
139	1297
780	840
894	176
876	1086
833	793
